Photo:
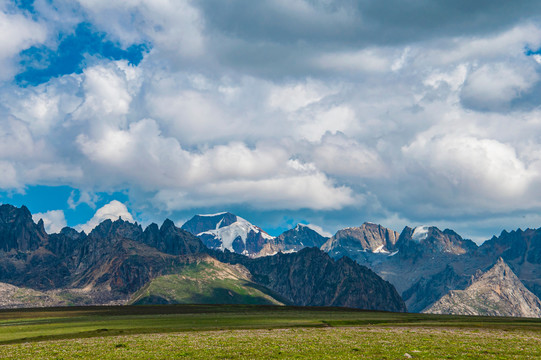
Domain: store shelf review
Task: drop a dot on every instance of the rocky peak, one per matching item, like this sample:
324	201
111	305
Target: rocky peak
172	240
498	292
367	237
18	231
168	226
118	229
515	247
71	233
422	240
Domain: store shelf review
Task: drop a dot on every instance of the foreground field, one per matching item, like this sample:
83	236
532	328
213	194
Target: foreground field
153	332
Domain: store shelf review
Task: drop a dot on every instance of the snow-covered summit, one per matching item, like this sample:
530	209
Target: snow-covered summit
227	231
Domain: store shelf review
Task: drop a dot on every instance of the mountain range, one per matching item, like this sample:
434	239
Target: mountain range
222	258
119	262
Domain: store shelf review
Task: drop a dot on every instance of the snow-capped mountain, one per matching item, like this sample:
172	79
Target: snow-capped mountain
227	231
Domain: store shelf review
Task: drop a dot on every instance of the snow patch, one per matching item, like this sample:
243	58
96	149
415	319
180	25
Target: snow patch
380	250
212	215
420	233
393	253
239	229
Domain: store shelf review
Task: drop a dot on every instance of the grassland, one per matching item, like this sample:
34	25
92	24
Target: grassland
207	331
207	282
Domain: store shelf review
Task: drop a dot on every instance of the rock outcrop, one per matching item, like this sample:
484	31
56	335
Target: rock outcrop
498	292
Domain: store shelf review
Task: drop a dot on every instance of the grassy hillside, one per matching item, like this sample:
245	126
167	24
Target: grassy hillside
206	282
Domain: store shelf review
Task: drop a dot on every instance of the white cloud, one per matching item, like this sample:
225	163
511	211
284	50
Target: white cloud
314	123
17	33
494	86
319	230
111	211
84	197
54	220
107	96
341	156
322	108
9	180
175	27
367	60
298	95
308	191
473	168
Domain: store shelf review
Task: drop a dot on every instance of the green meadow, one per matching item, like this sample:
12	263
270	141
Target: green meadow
249	332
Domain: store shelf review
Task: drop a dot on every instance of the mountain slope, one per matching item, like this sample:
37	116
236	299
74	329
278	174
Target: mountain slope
227	231
426	291
498	292
206	281
311	278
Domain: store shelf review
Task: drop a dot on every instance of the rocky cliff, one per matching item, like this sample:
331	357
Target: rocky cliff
498	292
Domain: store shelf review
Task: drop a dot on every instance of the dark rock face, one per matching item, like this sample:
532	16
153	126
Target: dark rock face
427	291
310	277
102	241
202	223
18	231
125	268
172	240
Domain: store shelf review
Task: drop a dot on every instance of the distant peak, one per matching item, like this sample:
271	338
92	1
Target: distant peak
167	224
314	228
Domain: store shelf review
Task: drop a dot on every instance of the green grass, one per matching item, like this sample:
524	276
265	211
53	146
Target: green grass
205	283
244	331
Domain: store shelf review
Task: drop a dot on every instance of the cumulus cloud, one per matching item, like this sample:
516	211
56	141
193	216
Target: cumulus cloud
82	197
112	211
306	107
17	32
494	86
54	220
472	166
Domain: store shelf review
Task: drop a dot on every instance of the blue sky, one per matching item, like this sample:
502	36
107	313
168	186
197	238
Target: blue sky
318	111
